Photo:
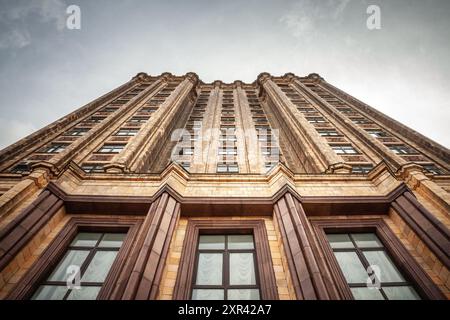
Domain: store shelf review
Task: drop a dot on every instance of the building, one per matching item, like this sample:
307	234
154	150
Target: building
171	188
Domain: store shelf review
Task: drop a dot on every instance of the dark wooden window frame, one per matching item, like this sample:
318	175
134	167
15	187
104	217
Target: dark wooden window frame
51	256
264	266
92	250
226	251
402	259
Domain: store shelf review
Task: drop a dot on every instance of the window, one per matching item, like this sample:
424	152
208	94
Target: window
111	148
316	120
328	133
110	109
402	149
377	133
186	151
362	169
229	151
96	119
226	268
227	168
227	138
267	151
55	148
269	165
344	149
93	168
127	132
21	168
345	110
360	121
185	165
94	254
307	110
148	109
138	120
77	132
431	168
355	252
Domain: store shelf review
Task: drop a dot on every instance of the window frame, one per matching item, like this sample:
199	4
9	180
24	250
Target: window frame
126	132
400	256
225	286
433	169
112	148
359	251
87	262
55	147
56	250
263	266
402	150
343	149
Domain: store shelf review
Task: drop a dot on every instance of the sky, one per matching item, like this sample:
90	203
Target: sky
48	70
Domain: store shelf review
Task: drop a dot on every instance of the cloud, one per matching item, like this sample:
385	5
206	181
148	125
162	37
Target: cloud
297	24
15	31
307	16
16	39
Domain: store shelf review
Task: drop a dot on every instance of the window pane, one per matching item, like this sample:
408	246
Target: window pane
207	294
243	294
86	239
50	293
388	271
240	242
212	242
209	269
367	240
72	257
85	293
352	267
112	240
367	294
242	269
99	267
340	241
401	293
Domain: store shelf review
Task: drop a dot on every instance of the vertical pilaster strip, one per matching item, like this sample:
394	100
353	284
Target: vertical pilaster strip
140	147
140	278
361	134
422	143
16	234
323	155
212	138
113	120
253	154
427	227
298	241
28	145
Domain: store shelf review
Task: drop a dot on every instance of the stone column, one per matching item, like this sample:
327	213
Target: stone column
213	130
308	270
360	133
322	156
21	230
141	276
141	146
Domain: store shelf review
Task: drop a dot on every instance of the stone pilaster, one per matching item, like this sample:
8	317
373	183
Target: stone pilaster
319	153
141	275
309	274
141	146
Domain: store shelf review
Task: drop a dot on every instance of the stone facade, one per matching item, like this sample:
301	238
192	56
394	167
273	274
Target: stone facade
287	159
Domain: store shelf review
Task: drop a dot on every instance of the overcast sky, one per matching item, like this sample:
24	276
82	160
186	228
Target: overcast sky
47	70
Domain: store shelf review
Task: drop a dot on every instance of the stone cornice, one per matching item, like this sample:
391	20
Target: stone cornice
76	181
